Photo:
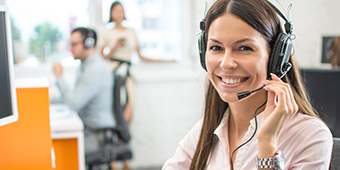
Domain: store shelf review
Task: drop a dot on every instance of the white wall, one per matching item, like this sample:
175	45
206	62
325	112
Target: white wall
168	102
312	20
2	2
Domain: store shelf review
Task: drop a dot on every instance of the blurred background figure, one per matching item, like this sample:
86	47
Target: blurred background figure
335	53
92	96
117	45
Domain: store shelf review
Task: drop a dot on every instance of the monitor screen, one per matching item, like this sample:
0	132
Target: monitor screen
8	102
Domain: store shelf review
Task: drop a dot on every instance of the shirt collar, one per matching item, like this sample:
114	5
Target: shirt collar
253	123
226	118
89	60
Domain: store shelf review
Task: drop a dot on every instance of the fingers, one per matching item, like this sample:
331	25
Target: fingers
281	95
57	69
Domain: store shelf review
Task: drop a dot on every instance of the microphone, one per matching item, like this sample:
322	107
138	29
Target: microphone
244	94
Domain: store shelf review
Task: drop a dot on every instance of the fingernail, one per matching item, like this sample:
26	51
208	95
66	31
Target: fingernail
272	74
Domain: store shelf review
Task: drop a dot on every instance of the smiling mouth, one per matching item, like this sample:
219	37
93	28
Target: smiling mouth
233	80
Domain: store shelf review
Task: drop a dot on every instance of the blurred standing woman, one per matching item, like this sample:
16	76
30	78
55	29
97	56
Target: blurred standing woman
121	42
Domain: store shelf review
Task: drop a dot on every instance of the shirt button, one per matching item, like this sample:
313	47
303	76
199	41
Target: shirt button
237	164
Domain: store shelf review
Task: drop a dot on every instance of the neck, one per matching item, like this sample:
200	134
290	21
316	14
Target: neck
119	25
243	111
89	53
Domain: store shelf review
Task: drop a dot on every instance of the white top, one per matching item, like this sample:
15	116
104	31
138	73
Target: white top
305	141
111	36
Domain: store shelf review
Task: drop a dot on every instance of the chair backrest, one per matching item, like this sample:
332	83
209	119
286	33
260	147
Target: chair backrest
119	105
323	86
335	161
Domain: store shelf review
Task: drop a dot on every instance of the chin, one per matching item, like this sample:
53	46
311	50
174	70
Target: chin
229	98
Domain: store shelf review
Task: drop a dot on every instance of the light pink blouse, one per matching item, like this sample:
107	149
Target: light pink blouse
305	141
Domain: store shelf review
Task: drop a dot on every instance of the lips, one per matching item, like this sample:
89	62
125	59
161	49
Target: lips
233	80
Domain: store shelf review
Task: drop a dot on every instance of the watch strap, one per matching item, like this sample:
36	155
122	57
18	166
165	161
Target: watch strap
277	162
265	163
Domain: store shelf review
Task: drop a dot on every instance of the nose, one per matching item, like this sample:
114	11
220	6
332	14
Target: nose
228	62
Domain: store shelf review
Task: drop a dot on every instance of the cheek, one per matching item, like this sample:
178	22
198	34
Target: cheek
211	63
262	67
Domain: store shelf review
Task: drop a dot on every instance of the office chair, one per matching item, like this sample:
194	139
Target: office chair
323	86
116	145
335	160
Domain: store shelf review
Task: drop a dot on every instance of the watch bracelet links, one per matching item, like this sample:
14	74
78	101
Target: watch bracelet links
264	163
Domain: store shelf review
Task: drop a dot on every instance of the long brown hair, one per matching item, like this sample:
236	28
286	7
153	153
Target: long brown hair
261	16
335	52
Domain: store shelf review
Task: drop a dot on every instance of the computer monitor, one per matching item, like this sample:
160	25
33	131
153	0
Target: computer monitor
8	99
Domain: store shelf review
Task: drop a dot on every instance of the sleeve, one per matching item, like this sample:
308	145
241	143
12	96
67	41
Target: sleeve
86	89
316	149
135	38
185	150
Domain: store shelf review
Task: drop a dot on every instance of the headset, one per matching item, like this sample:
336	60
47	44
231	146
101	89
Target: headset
89	41
280	53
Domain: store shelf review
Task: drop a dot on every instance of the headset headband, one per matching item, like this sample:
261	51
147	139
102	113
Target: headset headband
288	24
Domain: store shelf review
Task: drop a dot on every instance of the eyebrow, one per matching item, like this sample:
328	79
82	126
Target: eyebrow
237	42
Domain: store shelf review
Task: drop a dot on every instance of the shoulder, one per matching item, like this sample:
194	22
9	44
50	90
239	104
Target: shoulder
306	127
189	142
185	150
312	124
98	66
307	142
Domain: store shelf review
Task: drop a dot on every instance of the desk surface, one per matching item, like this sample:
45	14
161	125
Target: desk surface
64	119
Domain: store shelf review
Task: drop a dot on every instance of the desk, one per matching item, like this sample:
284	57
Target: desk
67	134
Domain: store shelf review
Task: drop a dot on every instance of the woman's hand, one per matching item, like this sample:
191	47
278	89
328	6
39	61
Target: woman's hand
120	42
280	107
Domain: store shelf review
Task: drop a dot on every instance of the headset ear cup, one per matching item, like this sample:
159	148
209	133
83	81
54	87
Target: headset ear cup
279	56
89	42
202	46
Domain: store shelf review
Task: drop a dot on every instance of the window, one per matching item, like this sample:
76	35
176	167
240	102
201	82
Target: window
41	28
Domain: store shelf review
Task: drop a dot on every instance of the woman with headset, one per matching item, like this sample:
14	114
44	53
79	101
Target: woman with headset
243	48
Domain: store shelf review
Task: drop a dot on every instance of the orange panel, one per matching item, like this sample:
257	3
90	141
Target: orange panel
66	153
26	144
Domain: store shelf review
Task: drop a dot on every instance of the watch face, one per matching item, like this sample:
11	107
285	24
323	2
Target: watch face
279	160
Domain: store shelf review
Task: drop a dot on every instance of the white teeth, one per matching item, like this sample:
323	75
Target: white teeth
231	81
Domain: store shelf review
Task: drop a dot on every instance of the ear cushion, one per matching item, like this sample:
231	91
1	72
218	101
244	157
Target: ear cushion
89	42
279	56
202	46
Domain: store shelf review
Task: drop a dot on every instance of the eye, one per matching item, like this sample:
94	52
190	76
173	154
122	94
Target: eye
245	48
215	48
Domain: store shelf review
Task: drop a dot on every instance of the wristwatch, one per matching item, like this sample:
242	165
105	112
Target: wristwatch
277	162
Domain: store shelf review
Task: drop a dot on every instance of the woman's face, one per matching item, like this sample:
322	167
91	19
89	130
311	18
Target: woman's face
236	57
117	13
